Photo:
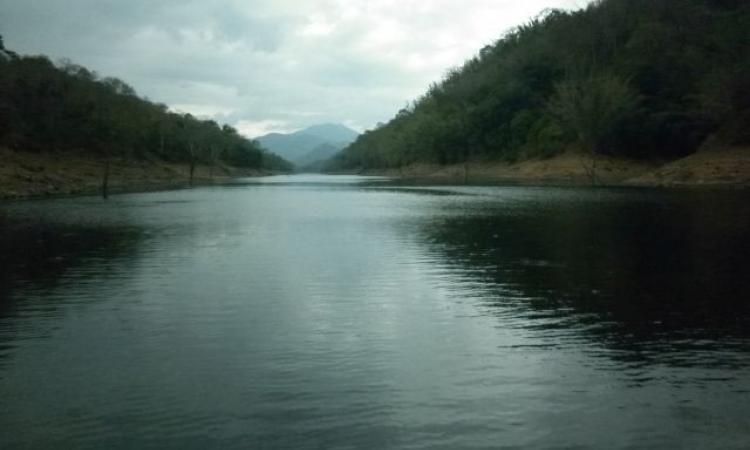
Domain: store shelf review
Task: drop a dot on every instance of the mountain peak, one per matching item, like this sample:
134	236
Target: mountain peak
331	132
300	146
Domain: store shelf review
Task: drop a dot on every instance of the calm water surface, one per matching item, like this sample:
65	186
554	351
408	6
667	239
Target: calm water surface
343	312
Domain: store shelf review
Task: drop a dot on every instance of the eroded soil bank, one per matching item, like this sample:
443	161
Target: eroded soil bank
720	167
29	174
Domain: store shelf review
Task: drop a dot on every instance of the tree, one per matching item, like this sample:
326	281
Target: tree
215	151
684	59
118	86
68	108
592	109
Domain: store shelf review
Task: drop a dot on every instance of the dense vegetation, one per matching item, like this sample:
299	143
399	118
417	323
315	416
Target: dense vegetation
67	108
636	78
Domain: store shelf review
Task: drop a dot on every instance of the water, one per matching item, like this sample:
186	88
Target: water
344	312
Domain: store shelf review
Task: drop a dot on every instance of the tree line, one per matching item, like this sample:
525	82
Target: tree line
634	78
65	107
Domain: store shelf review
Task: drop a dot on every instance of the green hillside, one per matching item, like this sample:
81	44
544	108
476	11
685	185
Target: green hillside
67	108
634	78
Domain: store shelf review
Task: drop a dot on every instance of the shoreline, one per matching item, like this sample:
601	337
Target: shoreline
29	175
721	168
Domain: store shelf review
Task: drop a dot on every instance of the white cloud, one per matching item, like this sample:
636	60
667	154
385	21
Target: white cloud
269	65
256	129
317	26
203	111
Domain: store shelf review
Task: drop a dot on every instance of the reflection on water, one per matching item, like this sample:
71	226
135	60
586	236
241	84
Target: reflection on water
651	277
344	312
39	252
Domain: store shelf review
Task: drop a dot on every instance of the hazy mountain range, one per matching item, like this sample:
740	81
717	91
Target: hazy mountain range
305	148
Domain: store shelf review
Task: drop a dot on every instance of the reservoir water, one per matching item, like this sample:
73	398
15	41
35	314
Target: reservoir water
350	312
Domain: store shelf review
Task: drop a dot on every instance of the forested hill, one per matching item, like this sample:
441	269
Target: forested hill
636	78
68	108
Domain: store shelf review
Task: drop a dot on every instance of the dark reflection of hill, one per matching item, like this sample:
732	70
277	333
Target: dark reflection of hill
36	254
664	273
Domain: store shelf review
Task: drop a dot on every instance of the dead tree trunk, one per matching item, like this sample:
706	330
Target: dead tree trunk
192	162
589	166
105	180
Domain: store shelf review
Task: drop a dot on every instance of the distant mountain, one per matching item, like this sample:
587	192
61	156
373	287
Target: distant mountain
290	146
313	161
332	132
307	146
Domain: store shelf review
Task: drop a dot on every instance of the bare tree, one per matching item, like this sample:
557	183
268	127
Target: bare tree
591	108
193	156
214	154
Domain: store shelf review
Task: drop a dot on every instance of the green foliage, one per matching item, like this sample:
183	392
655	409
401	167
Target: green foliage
638	78
593	108
69	108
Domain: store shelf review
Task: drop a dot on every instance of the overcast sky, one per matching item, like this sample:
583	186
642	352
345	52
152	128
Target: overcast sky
269	65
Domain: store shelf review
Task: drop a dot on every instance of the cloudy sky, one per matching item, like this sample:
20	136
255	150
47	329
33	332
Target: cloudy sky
269	65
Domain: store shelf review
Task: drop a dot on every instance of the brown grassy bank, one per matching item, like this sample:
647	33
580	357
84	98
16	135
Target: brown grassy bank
718	167
27	174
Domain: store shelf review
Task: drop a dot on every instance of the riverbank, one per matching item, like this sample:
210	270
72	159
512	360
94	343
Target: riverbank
29	174
716	167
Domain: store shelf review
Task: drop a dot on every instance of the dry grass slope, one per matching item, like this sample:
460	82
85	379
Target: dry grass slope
25	174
